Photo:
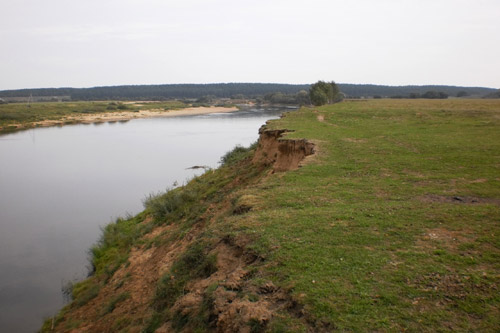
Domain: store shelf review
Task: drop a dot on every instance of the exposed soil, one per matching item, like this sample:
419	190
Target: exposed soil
321	118
229	311
444	238
354	140
459	199
138	279
451	287
281	154
230	308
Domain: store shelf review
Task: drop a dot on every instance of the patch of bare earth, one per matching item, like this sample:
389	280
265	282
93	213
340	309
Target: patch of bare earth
229	311
321	118
353	140
236	304
282	154
449	239
458	199
479	181
450	287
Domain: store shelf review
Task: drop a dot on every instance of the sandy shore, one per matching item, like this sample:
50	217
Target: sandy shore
125	115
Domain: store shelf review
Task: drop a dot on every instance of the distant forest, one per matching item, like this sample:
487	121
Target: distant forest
239	91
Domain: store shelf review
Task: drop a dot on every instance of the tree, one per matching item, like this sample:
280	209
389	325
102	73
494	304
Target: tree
318	97
324	92
432	94
336	97
302	98
495	94
206	99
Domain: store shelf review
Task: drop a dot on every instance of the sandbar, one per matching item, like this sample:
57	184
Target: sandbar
124	115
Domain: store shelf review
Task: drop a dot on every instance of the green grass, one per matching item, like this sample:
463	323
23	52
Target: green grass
172	205
112	249
20	113
83	292
236	154
367	236
357	236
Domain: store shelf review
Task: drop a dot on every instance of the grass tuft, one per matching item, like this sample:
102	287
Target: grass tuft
174	203
83	292
236	154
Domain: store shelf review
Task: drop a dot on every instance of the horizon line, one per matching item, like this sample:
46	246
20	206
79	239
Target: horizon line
263	83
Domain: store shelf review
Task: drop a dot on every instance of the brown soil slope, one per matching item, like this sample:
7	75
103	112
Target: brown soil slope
193	273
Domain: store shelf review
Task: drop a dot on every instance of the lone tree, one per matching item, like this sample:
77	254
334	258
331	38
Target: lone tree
324	93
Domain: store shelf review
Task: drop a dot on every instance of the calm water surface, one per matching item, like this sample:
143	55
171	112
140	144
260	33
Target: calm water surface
59	185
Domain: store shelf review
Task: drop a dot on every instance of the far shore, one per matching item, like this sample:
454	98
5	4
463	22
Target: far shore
127	115
122	116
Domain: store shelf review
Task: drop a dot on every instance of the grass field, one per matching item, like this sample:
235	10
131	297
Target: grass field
396	224
14	114
393	225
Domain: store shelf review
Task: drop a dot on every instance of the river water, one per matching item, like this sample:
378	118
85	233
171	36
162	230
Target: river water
60	185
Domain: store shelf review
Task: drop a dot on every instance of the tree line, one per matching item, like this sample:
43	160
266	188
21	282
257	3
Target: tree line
285	93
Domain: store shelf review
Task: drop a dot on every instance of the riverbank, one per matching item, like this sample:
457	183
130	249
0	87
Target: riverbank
15	117
129	115
392	225
89	175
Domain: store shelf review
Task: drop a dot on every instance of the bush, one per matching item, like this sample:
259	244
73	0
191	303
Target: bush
84	291
111	250
238	153
174	201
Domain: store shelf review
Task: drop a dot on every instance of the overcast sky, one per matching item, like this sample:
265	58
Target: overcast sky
62	43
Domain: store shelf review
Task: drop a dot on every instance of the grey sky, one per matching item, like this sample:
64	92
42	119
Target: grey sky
62	43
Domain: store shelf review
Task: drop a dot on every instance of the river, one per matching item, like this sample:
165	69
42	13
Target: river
60	185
